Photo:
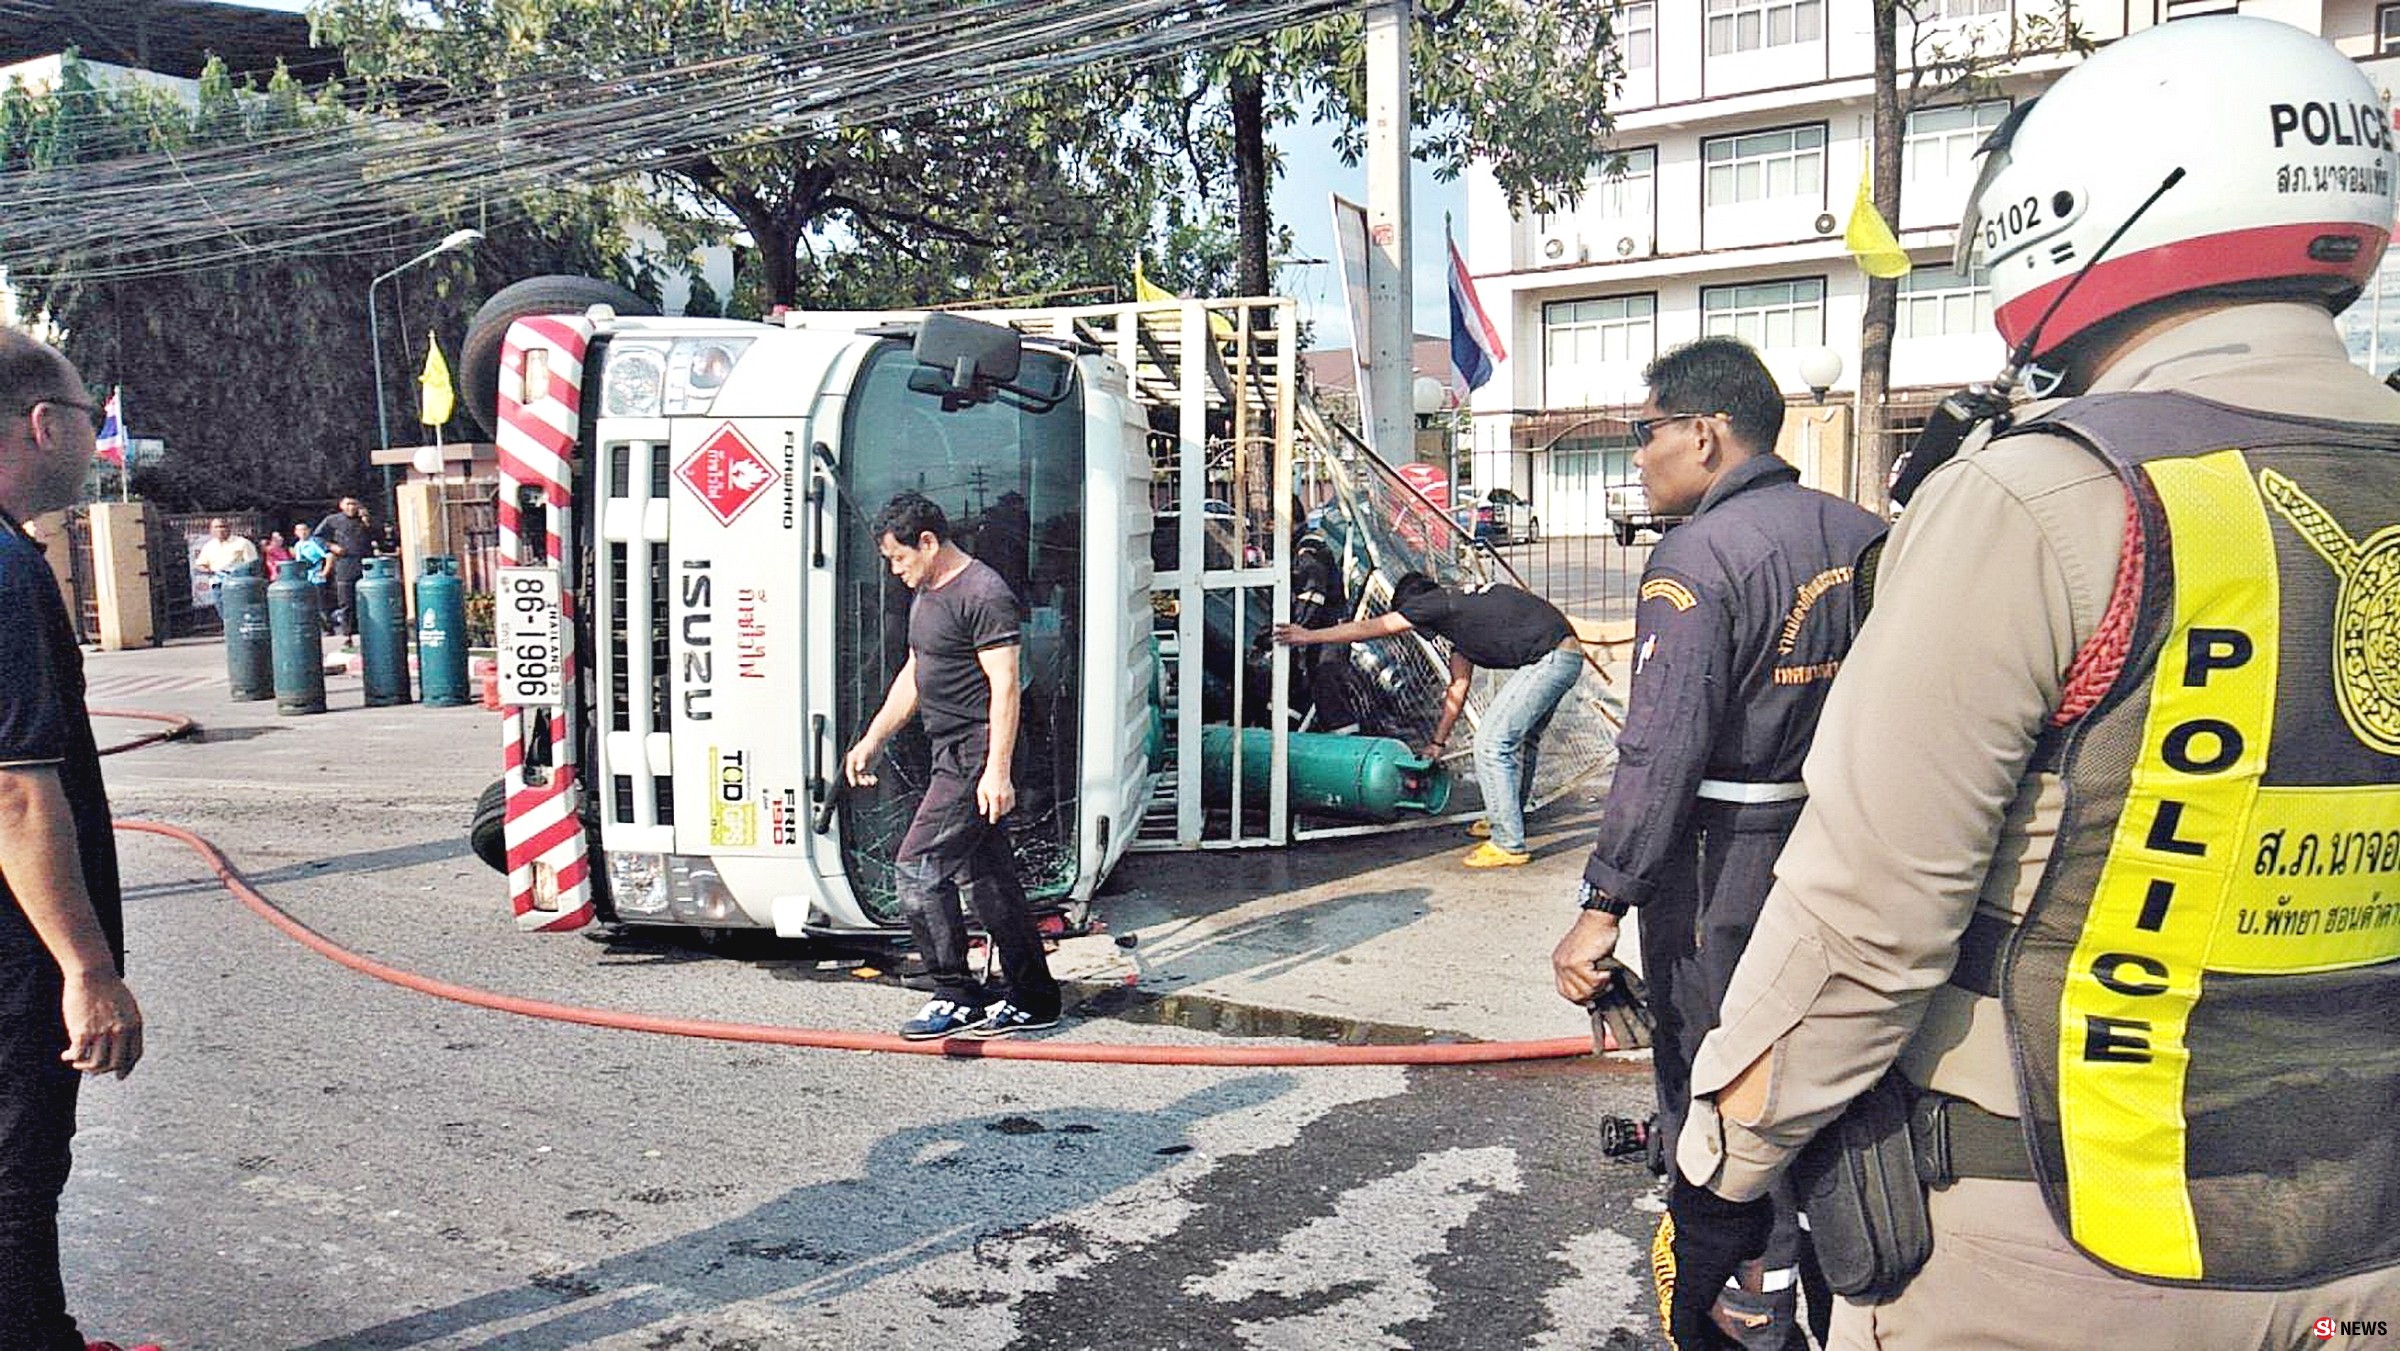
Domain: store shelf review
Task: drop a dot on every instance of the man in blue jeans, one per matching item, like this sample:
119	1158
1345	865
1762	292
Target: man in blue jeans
1500	628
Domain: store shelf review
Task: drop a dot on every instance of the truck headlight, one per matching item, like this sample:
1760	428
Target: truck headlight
638	883
667	379
634	381
699	894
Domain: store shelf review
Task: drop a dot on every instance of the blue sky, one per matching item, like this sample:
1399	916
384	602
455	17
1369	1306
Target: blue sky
1311	171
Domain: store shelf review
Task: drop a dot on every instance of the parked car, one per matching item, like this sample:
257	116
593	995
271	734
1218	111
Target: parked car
1629	513
1500	517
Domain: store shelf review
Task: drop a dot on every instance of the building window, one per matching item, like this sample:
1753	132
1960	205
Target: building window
1583	339
1961	9
1941	142
2387	29
1629	195
1765	165
1936	302
1767	314
1752	25
1637	33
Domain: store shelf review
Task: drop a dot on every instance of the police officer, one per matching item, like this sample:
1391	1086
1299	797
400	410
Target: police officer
2099	850
1743	616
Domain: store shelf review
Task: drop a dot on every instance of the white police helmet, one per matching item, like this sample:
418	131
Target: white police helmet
2288	164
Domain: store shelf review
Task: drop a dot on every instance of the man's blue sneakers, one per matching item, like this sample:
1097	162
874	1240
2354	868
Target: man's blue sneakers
1003	1018
943	1018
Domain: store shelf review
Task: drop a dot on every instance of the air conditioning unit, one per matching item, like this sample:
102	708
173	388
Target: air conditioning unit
1563	246
1639	244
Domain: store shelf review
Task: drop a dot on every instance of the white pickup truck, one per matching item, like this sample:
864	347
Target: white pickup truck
1629	513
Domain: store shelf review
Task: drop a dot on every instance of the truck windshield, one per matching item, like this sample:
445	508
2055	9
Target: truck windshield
1011	482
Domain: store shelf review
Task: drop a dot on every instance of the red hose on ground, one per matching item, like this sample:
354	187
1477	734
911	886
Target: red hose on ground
177	725
1080	1052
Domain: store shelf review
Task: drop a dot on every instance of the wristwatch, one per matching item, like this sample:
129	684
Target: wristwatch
1593	898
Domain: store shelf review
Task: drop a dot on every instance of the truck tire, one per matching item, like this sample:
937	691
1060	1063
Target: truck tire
479	359
485	830
1625	533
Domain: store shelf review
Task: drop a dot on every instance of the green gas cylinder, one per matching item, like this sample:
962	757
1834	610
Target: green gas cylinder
1355	778
296	626
442	633
382	634
249	647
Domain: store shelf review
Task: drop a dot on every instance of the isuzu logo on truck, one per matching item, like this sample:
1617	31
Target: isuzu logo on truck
727	474
699	664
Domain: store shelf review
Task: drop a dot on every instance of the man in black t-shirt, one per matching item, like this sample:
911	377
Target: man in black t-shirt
347	540
64	1008
961	678
1501	628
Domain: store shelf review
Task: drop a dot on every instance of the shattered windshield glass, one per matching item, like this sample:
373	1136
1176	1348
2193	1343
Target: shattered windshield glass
1011	482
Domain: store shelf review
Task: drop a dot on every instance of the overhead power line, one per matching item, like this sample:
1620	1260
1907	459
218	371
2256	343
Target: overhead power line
326	188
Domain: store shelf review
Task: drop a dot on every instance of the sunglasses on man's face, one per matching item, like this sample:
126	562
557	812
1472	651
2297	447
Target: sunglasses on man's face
1646	427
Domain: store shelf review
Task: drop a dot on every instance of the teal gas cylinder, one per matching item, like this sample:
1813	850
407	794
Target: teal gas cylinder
296	627
249	644
1356	778
382	634
442	633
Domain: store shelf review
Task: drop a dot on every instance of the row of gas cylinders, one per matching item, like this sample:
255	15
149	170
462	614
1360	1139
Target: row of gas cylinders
274	635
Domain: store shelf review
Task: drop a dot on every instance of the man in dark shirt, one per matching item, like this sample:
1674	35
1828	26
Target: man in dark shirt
1744	614
64	1008
348	542
1501	628
961	678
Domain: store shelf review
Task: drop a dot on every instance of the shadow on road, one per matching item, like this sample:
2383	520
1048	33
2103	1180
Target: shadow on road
926	1193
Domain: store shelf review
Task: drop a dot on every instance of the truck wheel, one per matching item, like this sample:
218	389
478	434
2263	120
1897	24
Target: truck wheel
1625	534
485	830
479	359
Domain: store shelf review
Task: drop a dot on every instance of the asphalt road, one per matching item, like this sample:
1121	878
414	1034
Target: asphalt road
311	1159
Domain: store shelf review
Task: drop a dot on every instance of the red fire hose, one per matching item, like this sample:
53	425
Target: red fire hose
1078	1052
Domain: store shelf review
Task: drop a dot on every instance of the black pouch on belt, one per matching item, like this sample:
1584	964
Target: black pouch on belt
1859	1187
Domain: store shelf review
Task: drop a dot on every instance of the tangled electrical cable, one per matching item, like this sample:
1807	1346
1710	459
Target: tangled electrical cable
324	187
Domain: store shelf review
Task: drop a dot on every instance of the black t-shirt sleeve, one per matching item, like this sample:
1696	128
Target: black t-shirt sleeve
34	718
1429	610
992	619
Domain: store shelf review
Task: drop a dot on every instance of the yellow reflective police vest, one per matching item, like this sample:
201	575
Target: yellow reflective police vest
2203	999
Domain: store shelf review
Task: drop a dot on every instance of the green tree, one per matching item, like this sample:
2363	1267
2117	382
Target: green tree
257	375
1520	86
1035	190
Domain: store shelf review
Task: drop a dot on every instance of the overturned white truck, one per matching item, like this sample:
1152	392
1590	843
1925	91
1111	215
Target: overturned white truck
694	624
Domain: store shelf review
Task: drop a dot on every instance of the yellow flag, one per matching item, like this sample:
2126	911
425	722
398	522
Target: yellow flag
435	400
1146	290
1871	241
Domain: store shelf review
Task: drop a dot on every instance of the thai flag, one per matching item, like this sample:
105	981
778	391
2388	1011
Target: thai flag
110	443
1475	348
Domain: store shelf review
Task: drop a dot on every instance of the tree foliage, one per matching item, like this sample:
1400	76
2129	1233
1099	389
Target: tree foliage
1519	86
1035	191
259	376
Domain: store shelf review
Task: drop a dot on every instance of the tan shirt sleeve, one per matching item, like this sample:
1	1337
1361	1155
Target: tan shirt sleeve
1924	736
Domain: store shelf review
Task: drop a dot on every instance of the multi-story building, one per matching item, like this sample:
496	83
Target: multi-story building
1743	127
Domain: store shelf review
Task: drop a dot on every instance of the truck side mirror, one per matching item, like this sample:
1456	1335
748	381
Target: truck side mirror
974	355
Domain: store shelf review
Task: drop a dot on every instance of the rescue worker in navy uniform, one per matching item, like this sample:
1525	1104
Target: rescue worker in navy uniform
1743	616
2099	848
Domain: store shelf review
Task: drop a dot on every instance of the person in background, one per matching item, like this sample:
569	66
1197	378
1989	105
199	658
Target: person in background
1500	628
345	538
221	553
964	632
1744	613
274	553
65	1011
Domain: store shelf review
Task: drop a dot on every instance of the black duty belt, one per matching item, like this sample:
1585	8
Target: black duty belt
1954	1138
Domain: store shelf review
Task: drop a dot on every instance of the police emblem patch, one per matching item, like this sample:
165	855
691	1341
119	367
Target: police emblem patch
2366	620
1671	591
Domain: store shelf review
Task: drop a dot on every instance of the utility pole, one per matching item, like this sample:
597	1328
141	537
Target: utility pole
1391	332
